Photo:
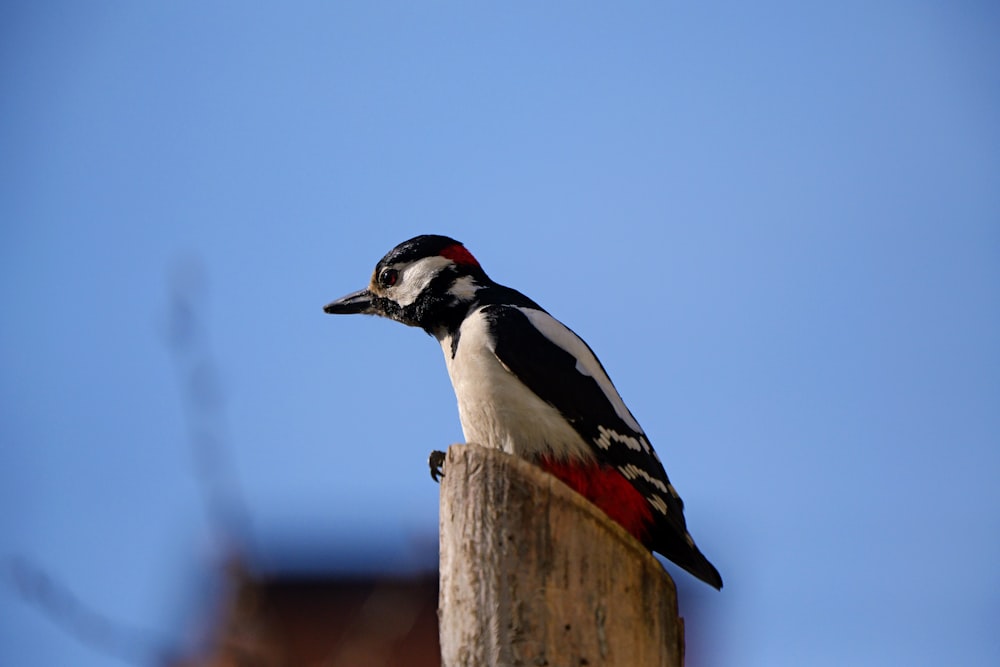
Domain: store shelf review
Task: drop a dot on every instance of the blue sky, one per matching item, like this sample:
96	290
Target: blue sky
777	225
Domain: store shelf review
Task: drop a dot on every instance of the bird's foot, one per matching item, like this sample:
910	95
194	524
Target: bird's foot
436	461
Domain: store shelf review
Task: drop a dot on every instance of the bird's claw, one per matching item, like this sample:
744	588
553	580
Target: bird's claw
436	461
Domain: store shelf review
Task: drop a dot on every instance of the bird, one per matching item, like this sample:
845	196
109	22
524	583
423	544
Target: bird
526	384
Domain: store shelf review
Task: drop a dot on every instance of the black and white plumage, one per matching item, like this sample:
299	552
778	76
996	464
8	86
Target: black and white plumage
528	385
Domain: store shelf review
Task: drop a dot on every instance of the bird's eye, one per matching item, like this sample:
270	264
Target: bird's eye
388	277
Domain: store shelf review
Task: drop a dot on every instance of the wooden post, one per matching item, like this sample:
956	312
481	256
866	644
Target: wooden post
533	574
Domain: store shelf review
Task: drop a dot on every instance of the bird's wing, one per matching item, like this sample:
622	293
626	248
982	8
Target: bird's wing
559	367
562	370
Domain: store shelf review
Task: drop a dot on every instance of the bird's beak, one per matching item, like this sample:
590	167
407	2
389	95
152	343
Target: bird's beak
356	302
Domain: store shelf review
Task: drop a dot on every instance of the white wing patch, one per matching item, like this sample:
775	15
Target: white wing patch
631	472
607	436
658	504
586	364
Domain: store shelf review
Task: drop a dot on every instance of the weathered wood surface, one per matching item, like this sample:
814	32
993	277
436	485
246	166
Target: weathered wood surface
533	574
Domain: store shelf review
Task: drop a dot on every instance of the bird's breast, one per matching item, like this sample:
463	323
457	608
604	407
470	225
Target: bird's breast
498	410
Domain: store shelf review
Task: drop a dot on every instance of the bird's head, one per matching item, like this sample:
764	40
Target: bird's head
429	282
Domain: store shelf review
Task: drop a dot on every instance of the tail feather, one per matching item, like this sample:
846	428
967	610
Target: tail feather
686	555
621	501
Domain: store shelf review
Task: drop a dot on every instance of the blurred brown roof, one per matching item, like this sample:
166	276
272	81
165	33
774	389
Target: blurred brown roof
330	621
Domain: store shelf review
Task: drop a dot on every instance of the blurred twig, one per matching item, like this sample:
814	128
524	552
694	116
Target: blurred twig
203	404
203	401
62	607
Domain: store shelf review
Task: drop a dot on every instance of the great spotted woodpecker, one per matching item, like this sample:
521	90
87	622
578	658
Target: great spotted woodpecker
528	385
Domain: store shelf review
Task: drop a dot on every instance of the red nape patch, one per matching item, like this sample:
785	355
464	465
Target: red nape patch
608	489
458	254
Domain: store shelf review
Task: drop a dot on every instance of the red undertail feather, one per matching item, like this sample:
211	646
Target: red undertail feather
608	489
458	254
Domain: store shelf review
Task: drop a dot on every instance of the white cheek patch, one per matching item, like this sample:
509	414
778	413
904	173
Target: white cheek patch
463	289
586	364
414	279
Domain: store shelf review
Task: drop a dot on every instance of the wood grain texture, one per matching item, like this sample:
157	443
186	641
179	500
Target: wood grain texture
533	574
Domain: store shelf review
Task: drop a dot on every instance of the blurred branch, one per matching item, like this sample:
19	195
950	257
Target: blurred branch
203	400
62	607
